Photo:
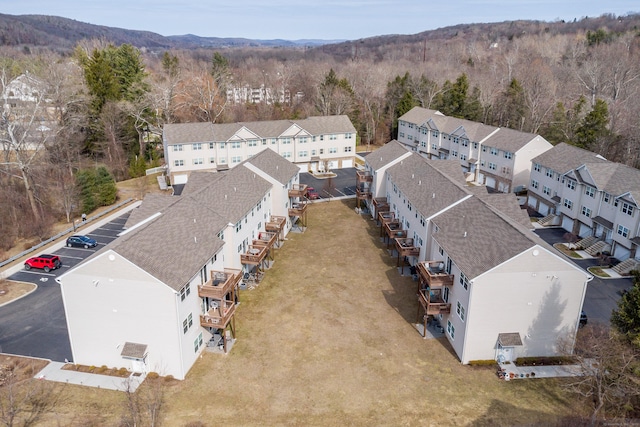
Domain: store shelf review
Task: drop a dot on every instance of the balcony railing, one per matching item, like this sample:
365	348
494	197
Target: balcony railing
363	176
275	224
363	191
220	284
266	238
254	255
298	209
384	217
380	204
433	274
406	247
218	317
393	230
298	190
432	302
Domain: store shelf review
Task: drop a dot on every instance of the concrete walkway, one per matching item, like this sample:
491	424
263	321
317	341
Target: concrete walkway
54	372
550	371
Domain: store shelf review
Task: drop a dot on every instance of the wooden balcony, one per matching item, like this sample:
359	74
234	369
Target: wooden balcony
298	190
432	303
384	217
393	230
298	209
254	255
266	238
220	316
433	274
380	205
363	191
406	247
363	176
220	284
275	224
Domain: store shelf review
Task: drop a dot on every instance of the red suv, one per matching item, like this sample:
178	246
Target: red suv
45	262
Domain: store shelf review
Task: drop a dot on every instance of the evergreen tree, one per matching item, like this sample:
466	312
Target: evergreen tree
593	127
626	318
513	106
453	99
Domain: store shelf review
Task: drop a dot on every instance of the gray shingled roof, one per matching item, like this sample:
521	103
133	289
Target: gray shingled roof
509	140
174	246
507	204
151	204
231	194
133	350
477	238
616	178
273	164
420	180
385	154
419	115
185	133
564	157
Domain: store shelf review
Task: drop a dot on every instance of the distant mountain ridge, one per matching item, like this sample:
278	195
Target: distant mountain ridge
64	33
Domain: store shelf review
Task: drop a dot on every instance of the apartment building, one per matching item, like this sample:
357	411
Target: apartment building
153	299
498	290
588	196
499	158
313	144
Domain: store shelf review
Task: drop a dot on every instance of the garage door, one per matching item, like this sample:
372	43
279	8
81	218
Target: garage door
567	223
347	163
621	252
180	179
490	182
333	164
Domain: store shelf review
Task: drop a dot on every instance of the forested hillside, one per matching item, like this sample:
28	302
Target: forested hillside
100	96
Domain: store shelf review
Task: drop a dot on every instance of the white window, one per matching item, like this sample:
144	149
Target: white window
212	159
606	197
303	139
197	343
177	147
185	291
456	140
463	157
460	310
434	146
178	163
508	155
546	190
187	323
333	150
440	250
197	146
623	231
571	184
286	154
494	151
252	143
222	145
493	166
627	209
464	281
286	140
223	160
410	137
568	204
347	136
236	144
549	173
236	159
534	183
401	134
451	330
586	212
333	137
212	145
435	133
303	154
198	161
464	142
347	149
454	153
590	191
536	167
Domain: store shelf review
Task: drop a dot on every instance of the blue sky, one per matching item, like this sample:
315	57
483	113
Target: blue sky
308	19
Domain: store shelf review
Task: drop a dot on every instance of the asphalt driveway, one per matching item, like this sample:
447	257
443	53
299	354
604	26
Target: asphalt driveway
35	325
343	184
602	294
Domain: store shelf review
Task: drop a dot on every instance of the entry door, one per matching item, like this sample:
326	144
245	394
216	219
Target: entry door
505	354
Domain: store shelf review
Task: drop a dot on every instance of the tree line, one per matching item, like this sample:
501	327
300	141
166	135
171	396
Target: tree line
105	104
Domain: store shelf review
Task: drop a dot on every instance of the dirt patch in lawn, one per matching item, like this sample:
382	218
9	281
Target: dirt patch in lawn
10	291
328	338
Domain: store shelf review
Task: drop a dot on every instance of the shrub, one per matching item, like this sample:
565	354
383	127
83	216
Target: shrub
489	362
153	376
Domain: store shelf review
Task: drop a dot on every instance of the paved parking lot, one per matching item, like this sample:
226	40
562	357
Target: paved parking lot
602	294
36	324
343	184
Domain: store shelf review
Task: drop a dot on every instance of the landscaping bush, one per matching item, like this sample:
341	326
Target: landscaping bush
489	362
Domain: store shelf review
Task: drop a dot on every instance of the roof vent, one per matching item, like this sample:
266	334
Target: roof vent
234	189
195	239
413	176
465	234
420	182
433	196
225	197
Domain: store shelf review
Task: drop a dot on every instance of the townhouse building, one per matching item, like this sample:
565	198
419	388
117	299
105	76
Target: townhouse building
153	299
499	158
313	144
498	291
590	197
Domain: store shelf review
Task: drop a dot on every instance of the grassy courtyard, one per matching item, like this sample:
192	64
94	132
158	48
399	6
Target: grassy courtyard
328	339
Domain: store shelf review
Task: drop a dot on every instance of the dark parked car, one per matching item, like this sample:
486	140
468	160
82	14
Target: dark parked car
81	242
583	319
45	262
